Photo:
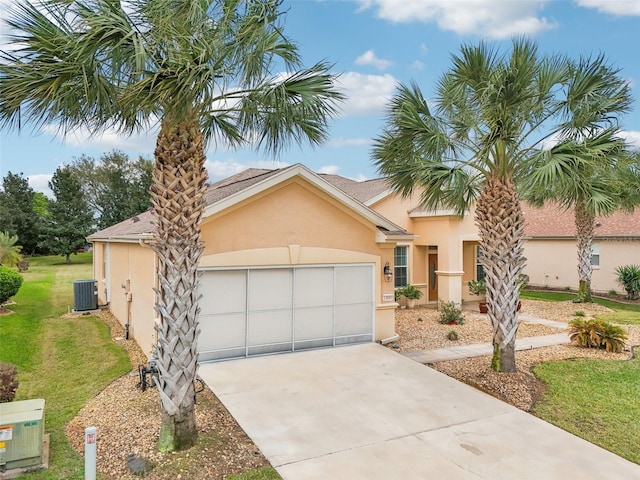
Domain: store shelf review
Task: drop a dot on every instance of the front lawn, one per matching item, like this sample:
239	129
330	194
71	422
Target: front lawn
594	399
66	361
626	313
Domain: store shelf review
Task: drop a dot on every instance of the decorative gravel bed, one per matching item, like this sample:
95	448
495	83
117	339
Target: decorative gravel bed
128	423
520	389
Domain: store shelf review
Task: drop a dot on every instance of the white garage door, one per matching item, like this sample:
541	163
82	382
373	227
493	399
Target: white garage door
267	310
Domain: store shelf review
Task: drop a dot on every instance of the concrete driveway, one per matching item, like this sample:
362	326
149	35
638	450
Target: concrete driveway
365	412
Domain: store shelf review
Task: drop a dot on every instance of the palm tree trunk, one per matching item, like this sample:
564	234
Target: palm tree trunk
585	221
501	224
177	194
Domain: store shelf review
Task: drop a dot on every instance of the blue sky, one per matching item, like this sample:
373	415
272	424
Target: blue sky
375	44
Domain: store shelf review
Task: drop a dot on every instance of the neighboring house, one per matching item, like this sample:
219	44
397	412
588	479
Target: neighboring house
295	260
551	250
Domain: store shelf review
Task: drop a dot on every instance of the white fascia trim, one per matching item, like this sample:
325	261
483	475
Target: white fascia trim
134	238
382	237
436	213
378	197
301	171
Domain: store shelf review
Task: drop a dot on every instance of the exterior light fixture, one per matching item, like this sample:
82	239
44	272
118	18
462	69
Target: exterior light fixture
387	272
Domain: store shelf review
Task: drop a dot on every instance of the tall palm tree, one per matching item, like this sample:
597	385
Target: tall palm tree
491	114
592	176
206	71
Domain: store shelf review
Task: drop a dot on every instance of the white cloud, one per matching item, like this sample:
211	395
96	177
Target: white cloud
40	183
632	138
223	169
417	65
108	140
615	7
348	142
366	94
489	18
369	58
329	169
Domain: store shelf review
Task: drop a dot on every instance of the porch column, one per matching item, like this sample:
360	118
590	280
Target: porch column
450	285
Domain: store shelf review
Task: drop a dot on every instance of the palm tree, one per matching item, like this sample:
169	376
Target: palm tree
206	71
592	176
9	252
491	114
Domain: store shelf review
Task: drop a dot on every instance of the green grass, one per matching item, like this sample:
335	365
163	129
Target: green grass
594	399
66	361
626	313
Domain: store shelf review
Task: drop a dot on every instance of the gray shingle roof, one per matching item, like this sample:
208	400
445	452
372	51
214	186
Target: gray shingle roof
142	224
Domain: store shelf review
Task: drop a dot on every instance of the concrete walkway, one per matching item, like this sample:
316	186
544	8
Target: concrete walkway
480	349
365	412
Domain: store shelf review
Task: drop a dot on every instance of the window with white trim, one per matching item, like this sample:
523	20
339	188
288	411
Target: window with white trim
595	255
479	267
401	266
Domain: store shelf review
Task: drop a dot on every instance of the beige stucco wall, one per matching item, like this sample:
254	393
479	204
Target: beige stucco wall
553	262
297	223
130	283
449	233
292	223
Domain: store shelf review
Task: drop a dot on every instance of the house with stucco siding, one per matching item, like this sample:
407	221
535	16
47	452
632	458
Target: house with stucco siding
551	248
295	260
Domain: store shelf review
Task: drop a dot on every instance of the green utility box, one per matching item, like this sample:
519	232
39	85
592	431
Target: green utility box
21	434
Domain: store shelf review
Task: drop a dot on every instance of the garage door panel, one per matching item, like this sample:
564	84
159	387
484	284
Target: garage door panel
313	287
222	331
353	319
260	311
313	323
273	326
270	289
223	292
354	284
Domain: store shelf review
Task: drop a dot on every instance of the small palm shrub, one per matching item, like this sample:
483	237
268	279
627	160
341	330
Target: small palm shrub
579	313
10	283
629	278
452	335
597	334
8	382
451	313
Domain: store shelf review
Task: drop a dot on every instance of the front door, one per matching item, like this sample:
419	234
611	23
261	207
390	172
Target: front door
433	277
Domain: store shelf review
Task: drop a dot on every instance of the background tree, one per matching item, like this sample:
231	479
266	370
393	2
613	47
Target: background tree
70	220
491	115
116	188
9	250
17	212
207	70
595	186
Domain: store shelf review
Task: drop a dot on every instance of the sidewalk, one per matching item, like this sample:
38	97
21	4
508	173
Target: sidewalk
480	349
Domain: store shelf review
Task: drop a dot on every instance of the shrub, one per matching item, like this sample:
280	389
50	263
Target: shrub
612	293
412	292
597	334
451	313
452	335
579	313
10	283
477	287
8	382
629	278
